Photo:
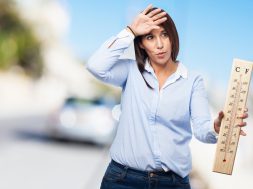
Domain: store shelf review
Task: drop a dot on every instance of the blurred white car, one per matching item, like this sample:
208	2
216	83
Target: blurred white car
83	120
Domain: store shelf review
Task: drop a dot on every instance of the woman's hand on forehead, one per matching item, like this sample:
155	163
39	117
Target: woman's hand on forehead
146	21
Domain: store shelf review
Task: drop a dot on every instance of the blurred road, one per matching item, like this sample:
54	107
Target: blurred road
29	159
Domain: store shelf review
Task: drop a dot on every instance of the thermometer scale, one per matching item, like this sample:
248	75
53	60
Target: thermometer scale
234	107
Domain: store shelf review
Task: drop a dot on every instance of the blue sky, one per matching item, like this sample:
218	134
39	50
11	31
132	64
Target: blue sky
212	32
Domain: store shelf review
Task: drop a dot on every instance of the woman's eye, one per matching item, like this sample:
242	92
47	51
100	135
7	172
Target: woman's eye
149	37
165	34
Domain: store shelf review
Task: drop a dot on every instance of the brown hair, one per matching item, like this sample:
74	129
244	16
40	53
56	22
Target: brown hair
141	54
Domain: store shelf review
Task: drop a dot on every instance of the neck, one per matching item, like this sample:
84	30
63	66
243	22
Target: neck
166	68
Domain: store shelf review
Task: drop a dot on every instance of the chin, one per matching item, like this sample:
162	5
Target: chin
162	61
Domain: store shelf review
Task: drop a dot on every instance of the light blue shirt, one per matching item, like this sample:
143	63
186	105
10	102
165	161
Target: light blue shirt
155	126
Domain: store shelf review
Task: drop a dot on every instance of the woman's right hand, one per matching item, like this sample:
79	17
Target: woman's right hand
144	23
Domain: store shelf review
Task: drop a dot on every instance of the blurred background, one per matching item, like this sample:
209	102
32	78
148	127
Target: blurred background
56	120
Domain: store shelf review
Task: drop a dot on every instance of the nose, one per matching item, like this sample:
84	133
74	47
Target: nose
159	43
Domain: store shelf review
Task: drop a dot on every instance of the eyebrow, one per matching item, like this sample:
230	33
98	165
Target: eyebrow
152	34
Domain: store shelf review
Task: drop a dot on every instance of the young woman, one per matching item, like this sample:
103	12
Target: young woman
160	97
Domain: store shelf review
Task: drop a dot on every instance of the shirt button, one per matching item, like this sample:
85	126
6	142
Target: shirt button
151	174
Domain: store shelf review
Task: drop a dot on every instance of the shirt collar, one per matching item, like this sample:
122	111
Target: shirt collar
182	70
148	67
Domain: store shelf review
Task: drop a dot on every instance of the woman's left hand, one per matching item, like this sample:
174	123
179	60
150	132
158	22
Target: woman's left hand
217	121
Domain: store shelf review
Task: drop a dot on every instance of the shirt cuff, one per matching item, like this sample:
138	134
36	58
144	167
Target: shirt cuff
124	36
128	37
125	33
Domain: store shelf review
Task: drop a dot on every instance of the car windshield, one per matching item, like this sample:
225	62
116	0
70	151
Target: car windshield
81	102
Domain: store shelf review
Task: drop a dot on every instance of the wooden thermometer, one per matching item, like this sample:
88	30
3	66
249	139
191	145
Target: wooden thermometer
234	107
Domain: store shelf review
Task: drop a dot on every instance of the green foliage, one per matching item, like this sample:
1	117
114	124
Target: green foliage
18	45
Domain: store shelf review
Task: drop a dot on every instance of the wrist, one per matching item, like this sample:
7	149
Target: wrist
216	128
131	30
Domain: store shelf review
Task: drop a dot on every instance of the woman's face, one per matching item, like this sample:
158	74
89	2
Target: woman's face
157	46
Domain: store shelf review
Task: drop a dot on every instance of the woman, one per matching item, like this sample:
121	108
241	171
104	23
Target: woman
160	97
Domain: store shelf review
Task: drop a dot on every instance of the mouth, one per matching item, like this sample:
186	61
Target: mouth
160	55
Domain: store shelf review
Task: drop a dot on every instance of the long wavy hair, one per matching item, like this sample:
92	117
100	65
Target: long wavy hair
141	54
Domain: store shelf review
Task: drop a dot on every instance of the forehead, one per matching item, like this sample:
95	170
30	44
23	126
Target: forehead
156	31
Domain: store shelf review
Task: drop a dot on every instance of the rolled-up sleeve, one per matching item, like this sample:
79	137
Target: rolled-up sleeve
107	63
200	113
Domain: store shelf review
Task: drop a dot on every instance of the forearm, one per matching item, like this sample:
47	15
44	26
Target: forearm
203	127
204	131
108	54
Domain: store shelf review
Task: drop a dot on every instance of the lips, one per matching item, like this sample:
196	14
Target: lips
160	55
